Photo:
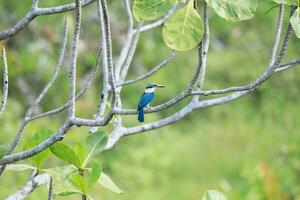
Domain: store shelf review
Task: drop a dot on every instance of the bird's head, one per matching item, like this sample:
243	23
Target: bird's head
152	86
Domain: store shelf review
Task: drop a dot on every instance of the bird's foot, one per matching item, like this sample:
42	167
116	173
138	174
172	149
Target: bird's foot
148	108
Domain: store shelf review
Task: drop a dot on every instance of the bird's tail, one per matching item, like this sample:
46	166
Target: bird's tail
141	115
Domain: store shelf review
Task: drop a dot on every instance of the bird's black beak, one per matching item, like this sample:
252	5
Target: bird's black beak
160	86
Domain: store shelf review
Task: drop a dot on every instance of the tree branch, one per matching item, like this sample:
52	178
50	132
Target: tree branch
34	12
29	187
160	21
151	72
5	82
72	82
33	106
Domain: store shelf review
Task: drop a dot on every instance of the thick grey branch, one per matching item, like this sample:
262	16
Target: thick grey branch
29	187
34	12
72	95
5	82
59	135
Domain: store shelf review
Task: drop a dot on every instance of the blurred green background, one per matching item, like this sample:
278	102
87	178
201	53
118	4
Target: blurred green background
249	148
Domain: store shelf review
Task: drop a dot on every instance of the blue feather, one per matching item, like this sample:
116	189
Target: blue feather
145	99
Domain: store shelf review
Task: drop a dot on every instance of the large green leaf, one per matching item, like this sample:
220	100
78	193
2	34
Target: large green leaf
234	10
79	182
96	143
62	172
151	9
62	185
184	29
214	195
3	151
106	182
65	153
40	136
81	152
19	167
295	22
94	174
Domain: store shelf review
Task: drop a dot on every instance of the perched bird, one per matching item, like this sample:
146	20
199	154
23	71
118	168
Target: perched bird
146	99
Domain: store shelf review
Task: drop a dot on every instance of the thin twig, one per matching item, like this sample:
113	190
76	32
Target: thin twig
50	190
86	84
152	71
159	21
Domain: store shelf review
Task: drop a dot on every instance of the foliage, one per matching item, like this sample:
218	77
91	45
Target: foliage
39	159
184	29
222	139
295	21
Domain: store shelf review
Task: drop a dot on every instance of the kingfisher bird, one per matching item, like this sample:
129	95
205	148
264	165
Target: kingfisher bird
146	99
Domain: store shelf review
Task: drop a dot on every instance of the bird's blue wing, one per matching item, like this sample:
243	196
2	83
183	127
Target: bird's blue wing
145	99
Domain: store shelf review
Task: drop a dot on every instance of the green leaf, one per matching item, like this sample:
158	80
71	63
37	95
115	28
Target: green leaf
295	22
106	182
184	29
39	137
79	182
234	10
19	167
62	185
81	152
65	153
214	195
62	172
3	151
96	143
94	174
144	10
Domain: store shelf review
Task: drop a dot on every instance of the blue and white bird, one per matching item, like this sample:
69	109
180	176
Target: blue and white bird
146	99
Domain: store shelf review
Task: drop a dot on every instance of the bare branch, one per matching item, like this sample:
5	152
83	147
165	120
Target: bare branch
59	135
54	75
108	48
27	118
168	120
277	35
86	84
5	82
125	49
72	95
287	65
152	71
131	52
29	187
269	71
50	193
159	21
34	12
205	48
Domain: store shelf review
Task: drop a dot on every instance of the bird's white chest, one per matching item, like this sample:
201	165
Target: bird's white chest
149	90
